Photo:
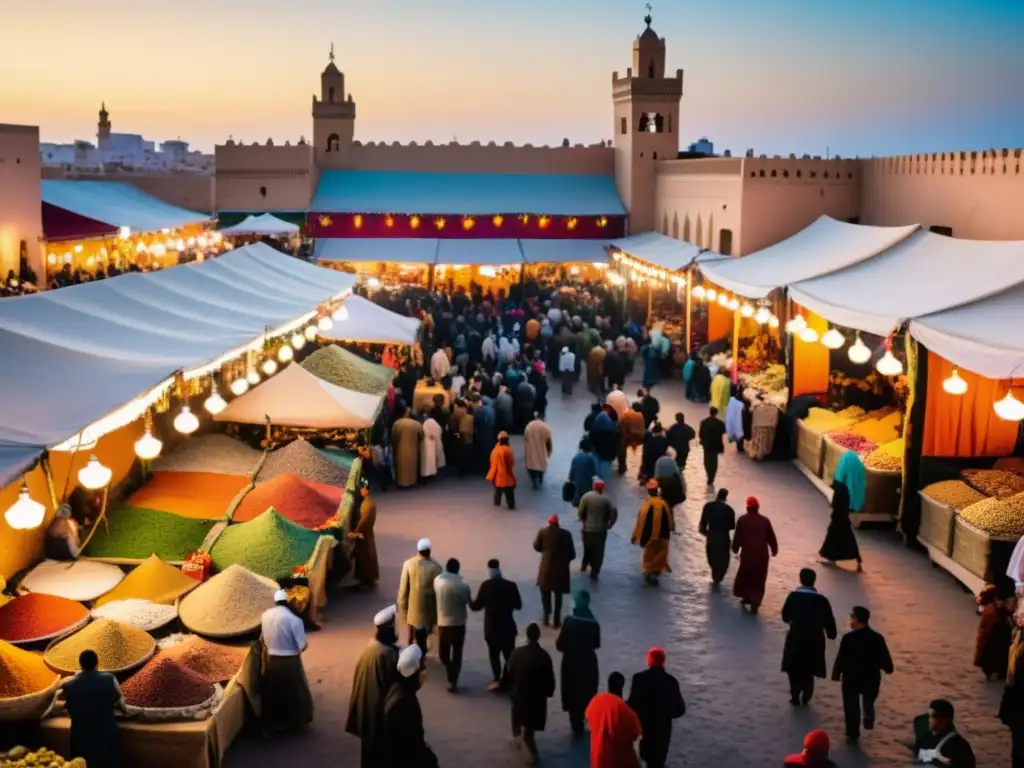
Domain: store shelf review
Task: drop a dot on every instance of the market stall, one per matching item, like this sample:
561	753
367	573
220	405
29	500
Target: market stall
261	225
360	320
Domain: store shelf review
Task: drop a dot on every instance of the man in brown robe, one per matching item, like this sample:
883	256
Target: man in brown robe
364	553
406	436
375	671
753	540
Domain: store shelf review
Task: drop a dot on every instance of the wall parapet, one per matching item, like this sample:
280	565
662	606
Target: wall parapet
992	162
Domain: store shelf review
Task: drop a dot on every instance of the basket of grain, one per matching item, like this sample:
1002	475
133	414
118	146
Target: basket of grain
27	685
120	648
984	526
228	605
936	524
810	447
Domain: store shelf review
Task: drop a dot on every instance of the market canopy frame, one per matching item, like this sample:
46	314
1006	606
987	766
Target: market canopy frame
659	250
370	323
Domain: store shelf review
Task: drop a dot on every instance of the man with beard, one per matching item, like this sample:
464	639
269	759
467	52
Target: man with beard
374	674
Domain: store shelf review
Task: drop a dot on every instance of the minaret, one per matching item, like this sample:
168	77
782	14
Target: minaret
334	118
646	130
103	127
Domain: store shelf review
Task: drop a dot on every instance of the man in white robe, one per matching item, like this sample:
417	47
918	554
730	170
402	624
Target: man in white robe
432	448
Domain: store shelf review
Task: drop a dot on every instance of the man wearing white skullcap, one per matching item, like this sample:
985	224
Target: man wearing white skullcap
403	717
375	671
288	703
416	599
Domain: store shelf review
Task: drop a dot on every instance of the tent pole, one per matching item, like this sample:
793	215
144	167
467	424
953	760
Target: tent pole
625	299
689	307
735	346
650	301
430	278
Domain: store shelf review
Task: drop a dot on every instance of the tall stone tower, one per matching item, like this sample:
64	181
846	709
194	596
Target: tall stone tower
334	119
103	127
646	130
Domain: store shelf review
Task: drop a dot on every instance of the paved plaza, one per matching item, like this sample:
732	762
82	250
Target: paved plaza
738	711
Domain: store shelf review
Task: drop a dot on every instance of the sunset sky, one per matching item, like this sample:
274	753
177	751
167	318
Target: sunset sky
861	77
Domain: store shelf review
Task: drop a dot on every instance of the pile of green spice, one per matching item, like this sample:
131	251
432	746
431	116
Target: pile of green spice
135	533
345	369
270	545
164	684
38	616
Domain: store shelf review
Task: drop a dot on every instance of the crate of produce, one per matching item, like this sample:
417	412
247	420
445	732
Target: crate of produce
936	524
974	549
810	447
882	489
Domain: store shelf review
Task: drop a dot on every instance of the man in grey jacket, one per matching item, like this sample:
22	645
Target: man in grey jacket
453	598
598	514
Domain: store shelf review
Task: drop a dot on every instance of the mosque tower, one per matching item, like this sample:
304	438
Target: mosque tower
646	130
103	127
334	119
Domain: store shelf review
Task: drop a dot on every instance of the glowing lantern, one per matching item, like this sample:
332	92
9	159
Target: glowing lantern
699	292
94	475
270	367
833	339
299	340
888	365
773	322
285	354
26	513
859	352
796	325
357	220
214	404
341	314
747	311
1009	408
955	384
253	378
389	221
414	222
723	300
310	332
468	223
733	304
239	386
809	335
325	323
148	447
763	315
186	422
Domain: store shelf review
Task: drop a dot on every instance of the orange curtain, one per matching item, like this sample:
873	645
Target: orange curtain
719	322
20	549
964	425
810	359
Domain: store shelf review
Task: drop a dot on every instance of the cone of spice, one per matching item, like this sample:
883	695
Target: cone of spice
165	684
154	580
231	603
303	502
22	673
120	647
213	662
270	545
38	616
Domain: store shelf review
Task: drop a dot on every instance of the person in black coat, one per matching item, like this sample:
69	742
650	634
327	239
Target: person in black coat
557	551
531	682
950	748
649	406
403	718
717	521
840	542
499	599
863	657
654	696
809	616
578	643
711	432
615	368
680	435
655	446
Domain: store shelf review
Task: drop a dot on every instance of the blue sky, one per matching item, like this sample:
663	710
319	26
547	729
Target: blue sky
779	76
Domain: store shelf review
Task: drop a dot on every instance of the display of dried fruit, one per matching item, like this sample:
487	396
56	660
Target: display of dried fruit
888	456
853	442
954	493
994	482
1000	517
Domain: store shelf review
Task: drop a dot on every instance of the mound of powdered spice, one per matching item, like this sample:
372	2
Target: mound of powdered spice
35	616
231	603
302	459
270	545
213	662
22	673
301	501
139	613
117	645
164	684
154	580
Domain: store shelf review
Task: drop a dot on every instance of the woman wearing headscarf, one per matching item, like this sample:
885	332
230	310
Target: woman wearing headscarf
688	367
578	642
700	381
753	541
840	542
655	525
850	472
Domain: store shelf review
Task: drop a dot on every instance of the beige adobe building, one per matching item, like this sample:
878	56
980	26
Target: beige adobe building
21	215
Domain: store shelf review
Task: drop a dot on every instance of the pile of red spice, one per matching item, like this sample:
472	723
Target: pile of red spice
164	684
37	615
212	662
303	502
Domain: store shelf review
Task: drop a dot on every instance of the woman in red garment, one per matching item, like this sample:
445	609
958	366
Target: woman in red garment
753	540
614	728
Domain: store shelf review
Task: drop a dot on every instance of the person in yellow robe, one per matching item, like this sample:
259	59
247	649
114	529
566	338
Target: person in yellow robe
655	525
721	391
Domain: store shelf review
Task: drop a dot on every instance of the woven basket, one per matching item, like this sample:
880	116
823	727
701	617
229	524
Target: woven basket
810	447
833	452
972	548
58	635
882	491
30	707
936	524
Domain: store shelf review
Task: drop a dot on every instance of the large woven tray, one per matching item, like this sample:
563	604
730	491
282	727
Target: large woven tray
24	709
936	524
810	447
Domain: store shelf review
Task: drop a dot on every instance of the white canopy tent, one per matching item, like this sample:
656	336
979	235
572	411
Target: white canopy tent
563	251
117	204
480	252
659	250
360	250
922	274
297	398
824	247
371	323
263	225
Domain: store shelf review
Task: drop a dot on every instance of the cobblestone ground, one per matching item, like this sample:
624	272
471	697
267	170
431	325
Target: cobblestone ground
727	661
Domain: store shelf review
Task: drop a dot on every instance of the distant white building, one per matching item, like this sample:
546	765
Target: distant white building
124	151
703	146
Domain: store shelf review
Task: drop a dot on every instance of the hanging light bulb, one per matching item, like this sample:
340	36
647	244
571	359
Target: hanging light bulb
833	339
373	282
699	291
253	378
763	315
215	403
858	352
325	324
299	341
186	422
723	300
270	366
773	322
796	325
1009	408
239	386
26	513
341	314
955	384
285	354
809	335
148	447
733	304
747	311
310	332
711	294
888	365
94	475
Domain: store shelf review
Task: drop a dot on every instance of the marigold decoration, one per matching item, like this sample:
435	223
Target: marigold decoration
414	222
468	223
571	223
439	223
498	221
389	221
357	220
326	221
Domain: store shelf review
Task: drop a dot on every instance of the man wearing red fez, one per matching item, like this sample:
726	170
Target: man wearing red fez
815	752
557	551
753	540
654	696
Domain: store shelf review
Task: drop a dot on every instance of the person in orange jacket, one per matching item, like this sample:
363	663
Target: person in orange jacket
502	472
